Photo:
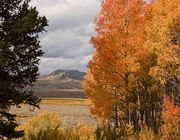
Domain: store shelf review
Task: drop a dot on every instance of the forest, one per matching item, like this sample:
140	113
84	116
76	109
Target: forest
133	78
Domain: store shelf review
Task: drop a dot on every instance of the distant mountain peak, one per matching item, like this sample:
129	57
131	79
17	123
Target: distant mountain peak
68	74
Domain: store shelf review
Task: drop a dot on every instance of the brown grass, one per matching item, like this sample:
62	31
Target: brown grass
51	101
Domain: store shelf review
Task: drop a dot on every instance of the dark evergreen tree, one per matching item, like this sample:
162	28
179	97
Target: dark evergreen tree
20	25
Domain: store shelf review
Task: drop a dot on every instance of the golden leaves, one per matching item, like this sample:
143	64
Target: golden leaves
112	71
162	32
137	50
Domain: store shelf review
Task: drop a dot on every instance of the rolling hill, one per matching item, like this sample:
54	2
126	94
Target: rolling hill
60	84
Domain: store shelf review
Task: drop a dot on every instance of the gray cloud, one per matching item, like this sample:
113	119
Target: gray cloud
48	65
67	13
66	44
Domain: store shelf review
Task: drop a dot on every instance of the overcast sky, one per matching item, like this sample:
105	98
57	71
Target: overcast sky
66	44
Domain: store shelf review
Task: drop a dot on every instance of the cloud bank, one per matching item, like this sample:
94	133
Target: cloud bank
66	44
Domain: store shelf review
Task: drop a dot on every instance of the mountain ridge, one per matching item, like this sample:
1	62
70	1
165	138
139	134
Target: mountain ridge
60	84
72	74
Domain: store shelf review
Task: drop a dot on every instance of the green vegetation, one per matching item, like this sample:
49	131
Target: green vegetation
20	26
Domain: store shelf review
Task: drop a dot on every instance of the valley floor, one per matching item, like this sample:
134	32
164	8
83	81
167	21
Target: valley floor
71	112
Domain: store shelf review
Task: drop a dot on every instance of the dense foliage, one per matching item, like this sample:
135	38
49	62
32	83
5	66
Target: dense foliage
20	25
135	64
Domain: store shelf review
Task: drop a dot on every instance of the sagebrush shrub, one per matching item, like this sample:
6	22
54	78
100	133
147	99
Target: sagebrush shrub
46	126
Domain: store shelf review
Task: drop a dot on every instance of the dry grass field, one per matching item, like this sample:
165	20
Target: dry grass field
64	101
71	111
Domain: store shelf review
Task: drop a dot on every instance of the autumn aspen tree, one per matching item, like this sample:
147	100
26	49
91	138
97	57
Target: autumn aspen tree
120	33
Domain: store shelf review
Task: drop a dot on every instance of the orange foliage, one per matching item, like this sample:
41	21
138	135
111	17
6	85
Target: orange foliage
171	119
111	73
137	51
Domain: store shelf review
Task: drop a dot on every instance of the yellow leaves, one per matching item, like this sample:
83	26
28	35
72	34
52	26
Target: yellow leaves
162	38
158	74
169	56
42	122
45	126
85	132
162	17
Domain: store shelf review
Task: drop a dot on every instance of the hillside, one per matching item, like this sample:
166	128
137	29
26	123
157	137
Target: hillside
60	84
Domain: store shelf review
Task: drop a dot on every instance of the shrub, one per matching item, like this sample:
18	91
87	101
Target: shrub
46	126
85	132
147	134
108	133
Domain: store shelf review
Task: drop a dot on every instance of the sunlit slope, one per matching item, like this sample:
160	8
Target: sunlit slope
60	84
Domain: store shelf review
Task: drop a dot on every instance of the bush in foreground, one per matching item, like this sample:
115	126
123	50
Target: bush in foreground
46	126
